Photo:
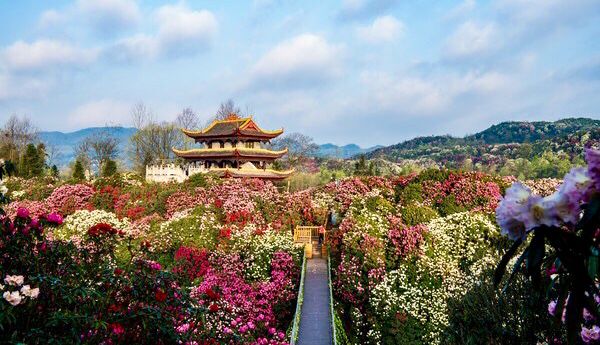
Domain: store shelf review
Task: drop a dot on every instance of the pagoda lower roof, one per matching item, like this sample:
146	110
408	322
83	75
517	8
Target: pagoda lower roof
230	152
267	174
242	128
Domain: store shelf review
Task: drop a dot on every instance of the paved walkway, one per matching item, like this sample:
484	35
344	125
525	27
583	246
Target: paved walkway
315	320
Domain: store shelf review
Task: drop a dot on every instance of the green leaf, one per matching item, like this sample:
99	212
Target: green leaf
501	268
593	263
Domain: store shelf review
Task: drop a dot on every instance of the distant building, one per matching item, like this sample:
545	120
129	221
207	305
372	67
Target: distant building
234	147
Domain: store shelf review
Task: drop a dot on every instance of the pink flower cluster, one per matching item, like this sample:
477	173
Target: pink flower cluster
469	189
36	208
70	198
405	240
521	211
247	310
183	200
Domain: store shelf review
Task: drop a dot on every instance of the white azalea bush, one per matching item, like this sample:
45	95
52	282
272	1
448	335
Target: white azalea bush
197	227
256	249
457	251
76	225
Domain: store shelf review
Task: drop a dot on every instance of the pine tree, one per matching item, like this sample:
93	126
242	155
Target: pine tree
30	162
78	173
110	168
54	171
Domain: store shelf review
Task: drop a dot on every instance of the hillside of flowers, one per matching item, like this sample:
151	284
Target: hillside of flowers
122	261
414	259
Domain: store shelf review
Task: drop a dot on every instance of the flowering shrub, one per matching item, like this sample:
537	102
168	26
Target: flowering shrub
456	253
196	228
70	198
76	226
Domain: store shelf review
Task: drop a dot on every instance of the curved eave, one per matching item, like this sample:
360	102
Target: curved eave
238	152
253	173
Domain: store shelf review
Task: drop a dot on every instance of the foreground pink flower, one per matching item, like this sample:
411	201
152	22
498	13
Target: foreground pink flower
14	280
22	212
14	298
510	210
590	335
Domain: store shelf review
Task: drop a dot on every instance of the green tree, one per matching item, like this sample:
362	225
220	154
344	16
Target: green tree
54	171
32	163
109	168
78	173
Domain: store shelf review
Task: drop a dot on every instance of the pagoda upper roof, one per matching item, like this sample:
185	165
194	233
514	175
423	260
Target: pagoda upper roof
232	127
230	152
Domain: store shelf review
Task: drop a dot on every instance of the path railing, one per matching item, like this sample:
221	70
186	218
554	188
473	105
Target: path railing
331	307
305	234
299	300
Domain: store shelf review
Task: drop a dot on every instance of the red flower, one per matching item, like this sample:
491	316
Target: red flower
213	308
160	296
102	229
212	295
118	271
117	328
225	233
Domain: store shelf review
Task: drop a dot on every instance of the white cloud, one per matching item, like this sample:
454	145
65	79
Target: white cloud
431	95
45	54
306	58
383	29
110	15
472	39
98	113
182	29
50	18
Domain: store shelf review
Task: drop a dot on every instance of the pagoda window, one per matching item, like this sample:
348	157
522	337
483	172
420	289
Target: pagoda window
249	145
222	144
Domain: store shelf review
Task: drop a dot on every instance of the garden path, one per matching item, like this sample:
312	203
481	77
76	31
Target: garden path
315	319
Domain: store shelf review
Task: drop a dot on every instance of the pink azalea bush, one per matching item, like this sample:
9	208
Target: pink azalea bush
70	198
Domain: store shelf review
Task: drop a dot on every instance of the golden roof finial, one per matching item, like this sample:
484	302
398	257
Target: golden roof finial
232	116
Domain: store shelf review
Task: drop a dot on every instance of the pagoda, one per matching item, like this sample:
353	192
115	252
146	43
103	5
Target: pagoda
234	147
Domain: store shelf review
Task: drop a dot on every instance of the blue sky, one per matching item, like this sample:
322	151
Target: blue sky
351	71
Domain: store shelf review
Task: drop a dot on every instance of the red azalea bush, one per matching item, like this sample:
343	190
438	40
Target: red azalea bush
191	263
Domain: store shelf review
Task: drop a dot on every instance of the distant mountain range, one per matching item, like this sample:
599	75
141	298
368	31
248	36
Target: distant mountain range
65	144
346	151
507	140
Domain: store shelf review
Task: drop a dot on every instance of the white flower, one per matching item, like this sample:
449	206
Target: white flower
29	292
1	287
14	298
3	189
14	280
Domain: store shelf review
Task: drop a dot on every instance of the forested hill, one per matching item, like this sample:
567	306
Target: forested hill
502	141
526	132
